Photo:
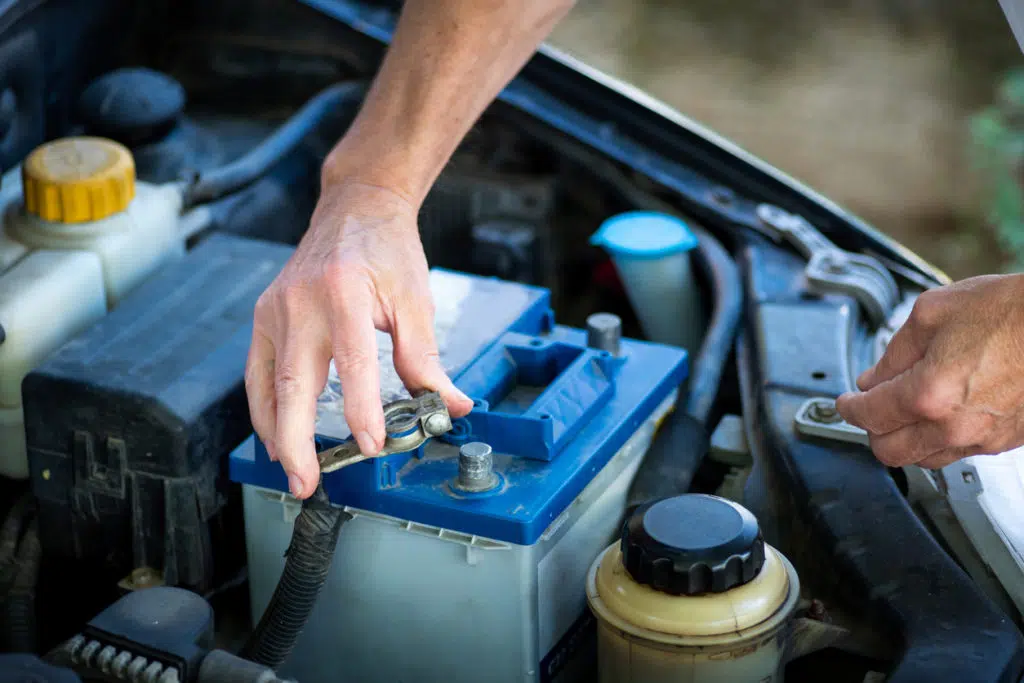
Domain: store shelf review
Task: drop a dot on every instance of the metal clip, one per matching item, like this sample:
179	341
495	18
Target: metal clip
819	418
409	423
833	270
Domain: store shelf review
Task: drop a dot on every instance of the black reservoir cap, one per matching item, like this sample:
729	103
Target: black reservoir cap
133	106
692	544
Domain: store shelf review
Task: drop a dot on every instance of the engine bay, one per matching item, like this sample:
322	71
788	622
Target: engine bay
132	482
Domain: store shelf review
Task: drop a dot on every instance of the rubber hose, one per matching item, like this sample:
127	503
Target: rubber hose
682	441
20	603
727	286
721	271
238	174
307	565
669	465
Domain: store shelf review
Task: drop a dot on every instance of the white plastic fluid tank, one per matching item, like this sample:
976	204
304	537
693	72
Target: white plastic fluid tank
651	252
79	235
692	593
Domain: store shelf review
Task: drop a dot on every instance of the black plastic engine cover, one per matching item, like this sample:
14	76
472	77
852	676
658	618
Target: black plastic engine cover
834	508
130	423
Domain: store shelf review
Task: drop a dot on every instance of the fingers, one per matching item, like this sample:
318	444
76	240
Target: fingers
886	407
906	348
945	457
416	358
259	389
301	373
355	358
909	445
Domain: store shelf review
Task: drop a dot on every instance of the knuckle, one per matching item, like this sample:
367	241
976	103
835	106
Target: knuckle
957	433
933	400
293	296
287	384
264	304
927	309
351	360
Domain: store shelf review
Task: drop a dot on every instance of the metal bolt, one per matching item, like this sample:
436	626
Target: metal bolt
835	263
604	332
824	412
476	468
437	424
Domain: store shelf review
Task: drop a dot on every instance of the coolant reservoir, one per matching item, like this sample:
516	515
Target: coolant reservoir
692	593
81	235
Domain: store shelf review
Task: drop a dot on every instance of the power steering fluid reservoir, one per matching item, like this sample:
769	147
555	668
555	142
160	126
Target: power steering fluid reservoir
82	234
692	593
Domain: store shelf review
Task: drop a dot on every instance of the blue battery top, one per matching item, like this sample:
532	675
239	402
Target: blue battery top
553	410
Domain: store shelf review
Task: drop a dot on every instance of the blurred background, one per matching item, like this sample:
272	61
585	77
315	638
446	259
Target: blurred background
908	113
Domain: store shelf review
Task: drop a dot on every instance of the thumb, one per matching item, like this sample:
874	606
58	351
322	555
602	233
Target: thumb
416	357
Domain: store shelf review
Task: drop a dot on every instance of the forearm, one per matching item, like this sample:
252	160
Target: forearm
448	60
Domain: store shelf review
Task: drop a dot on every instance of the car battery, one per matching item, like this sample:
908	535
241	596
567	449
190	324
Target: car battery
130	423
434	582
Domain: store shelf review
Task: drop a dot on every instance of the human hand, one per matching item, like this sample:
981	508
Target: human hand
359	267
948	385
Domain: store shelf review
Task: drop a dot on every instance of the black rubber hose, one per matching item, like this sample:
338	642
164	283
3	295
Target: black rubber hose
727	288
306	567
683	440
670	463
713	259
238	174
19	613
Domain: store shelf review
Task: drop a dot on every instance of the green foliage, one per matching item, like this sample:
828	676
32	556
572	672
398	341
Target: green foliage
997	154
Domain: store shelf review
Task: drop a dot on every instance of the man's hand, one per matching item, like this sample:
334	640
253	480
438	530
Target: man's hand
360	267
949	384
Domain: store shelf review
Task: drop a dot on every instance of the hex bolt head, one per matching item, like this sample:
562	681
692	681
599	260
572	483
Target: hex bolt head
476	468
824	412
604	332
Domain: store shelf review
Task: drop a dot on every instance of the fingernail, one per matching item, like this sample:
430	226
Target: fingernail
367	444
295	485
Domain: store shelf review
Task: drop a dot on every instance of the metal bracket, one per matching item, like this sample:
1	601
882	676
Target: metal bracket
819	418
409	423
833	270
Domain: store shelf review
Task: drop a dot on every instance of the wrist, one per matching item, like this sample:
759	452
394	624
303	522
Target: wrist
367	155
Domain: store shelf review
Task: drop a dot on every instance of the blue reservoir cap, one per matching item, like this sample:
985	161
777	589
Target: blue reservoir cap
644	234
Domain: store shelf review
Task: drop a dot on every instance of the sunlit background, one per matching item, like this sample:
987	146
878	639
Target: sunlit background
906	112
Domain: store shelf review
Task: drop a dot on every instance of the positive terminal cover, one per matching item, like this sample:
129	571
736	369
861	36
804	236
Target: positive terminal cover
692	544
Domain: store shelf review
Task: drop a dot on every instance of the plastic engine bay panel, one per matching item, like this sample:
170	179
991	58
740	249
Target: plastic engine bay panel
834	506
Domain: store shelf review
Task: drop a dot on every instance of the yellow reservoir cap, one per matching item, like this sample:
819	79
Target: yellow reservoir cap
78	179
